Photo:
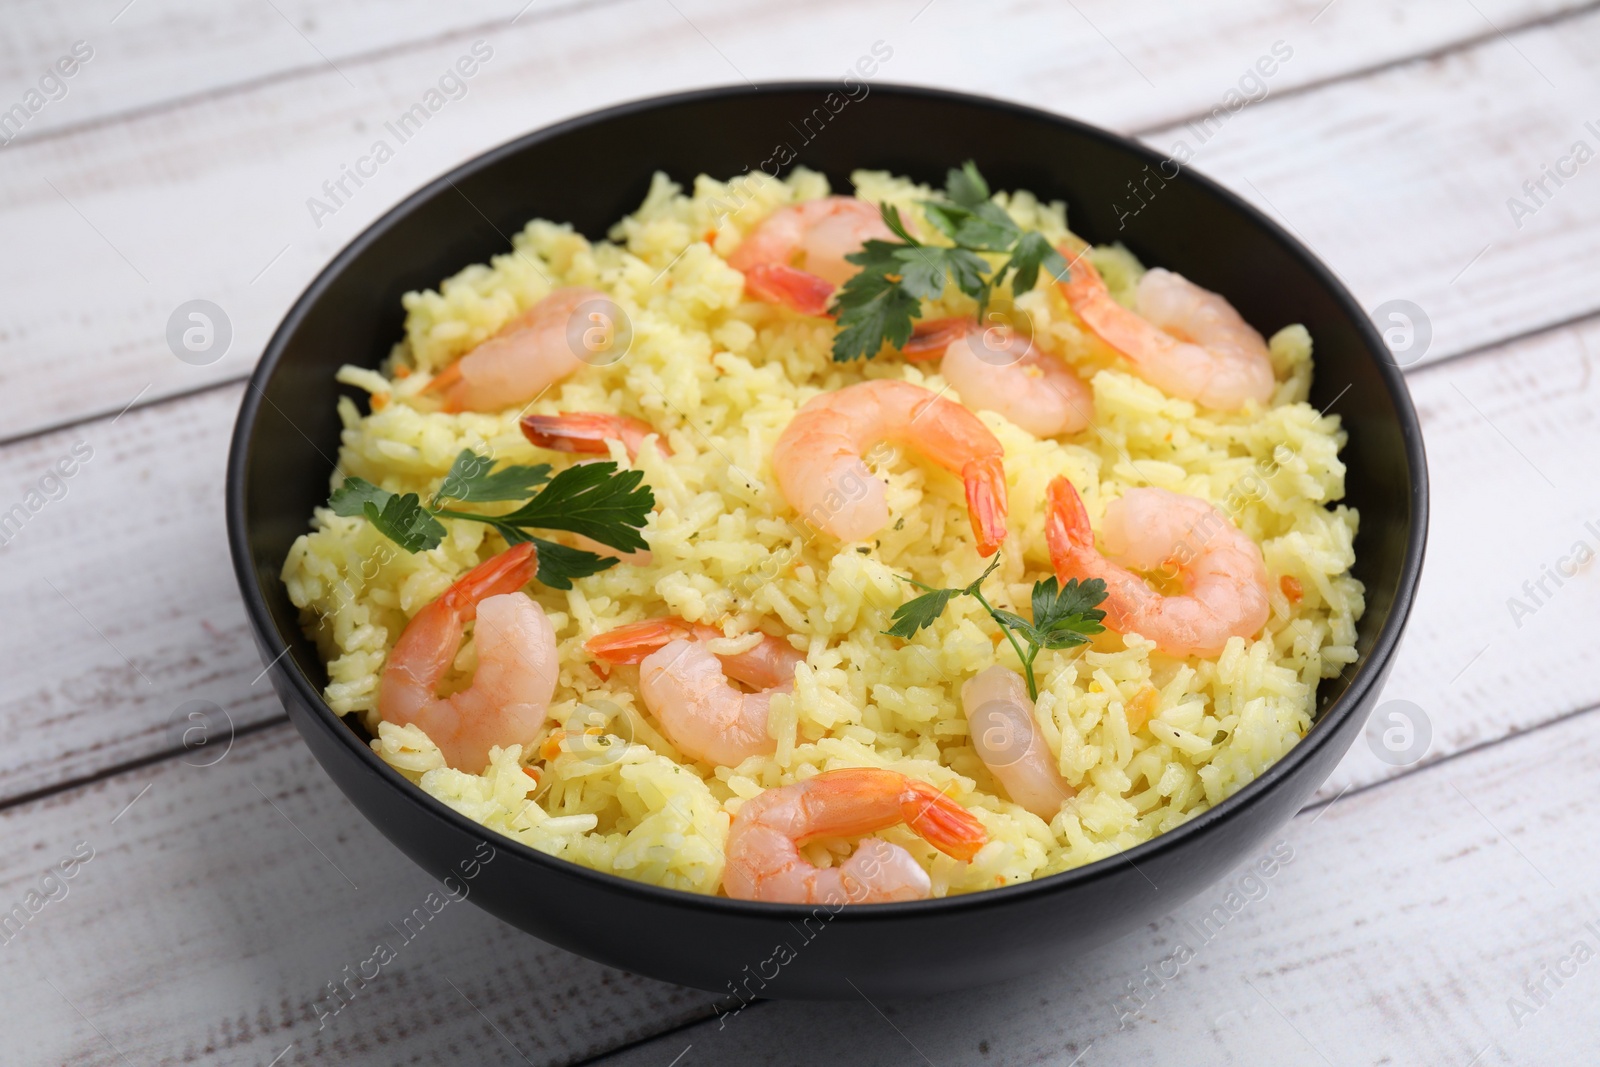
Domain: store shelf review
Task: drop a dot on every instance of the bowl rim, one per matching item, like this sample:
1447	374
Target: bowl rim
1368	671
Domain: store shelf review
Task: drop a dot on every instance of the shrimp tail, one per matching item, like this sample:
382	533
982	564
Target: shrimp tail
941	822
445	383
632	643
586	431
1091	301
930	337
569	431
985	481
777	283
505	573
444	379
1066	528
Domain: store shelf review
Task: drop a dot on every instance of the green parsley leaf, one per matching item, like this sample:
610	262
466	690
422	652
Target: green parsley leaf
966	187
987	229
1068	616
872	308
558	564
924	270
891	219
1032	251
351	498
471	480
920	612
1010	620
1063	617
879	304
1073	602
405	521
592	499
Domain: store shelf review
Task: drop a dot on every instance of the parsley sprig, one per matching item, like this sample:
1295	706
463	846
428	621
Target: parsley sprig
879	303
1063	616
593	499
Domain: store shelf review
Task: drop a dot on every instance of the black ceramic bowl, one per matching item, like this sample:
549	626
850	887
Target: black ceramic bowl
593	170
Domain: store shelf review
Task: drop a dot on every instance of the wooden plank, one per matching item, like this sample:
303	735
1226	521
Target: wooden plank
1493	423
215	910
1401	930
144	54
1513	500
1400	933
133	610
145	214
150	53
1404	182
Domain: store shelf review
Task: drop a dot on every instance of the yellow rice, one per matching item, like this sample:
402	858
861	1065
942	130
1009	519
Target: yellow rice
720	377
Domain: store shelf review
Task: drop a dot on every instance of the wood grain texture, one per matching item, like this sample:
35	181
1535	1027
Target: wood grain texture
134	609
1514	500
1420	899
1404	181
1398	932
207	198
148	53
218	906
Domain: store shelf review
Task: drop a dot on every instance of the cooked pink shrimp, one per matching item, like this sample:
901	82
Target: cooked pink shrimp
1224	578
764	860
795	256
530	353
588	431
998	369
930	337
684	685
516	675
1007	739
818	457
1186	341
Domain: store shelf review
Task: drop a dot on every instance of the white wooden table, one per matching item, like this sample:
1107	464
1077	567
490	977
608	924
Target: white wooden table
1431	910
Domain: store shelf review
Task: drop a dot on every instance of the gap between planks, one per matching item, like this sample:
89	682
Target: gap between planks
1336	51
529	17
533	14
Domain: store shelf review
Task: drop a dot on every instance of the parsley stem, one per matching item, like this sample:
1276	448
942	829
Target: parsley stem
1027	661
447	513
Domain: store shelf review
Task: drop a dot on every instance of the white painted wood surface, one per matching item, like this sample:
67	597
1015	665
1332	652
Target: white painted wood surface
205	197
215	907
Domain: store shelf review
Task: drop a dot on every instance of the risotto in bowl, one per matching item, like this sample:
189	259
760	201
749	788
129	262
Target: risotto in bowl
836	540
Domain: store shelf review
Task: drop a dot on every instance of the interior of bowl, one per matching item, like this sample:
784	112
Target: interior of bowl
594	170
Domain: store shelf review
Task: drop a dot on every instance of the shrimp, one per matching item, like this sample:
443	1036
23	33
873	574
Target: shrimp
588	431
1008	741
930	337
763	851
684	685
818	457
516	676
1225	591
529	354
795	256
1186	341
998	369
